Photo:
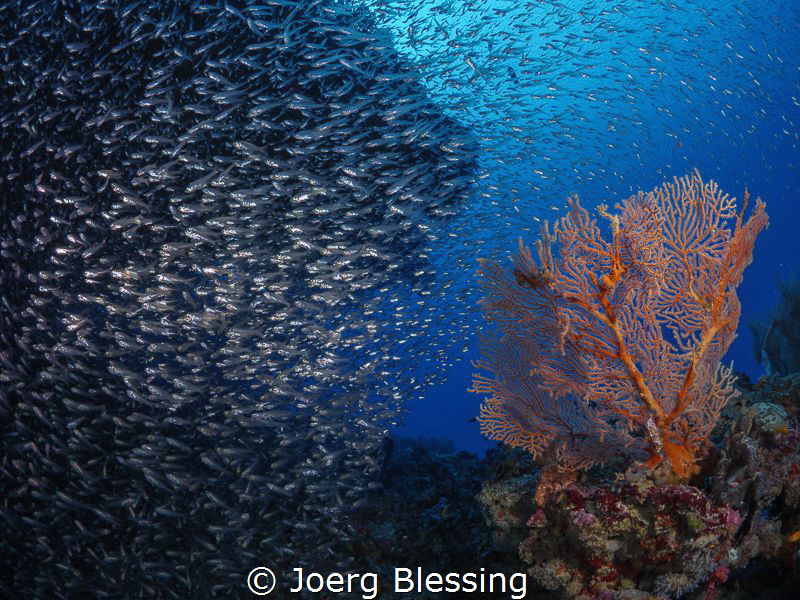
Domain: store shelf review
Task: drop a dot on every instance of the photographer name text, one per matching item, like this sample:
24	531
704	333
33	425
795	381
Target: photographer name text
410	580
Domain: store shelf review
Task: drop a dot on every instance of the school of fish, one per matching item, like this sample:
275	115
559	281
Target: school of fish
237	236
201	205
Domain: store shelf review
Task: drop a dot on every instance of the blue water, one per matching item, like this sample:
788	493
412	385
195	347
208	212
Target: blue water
601	99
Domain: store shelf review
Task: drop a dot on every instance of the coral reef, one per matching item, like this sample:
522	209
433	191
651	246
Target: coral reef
776	339
426	513
666	539
727	533
509	503
781	390
758	474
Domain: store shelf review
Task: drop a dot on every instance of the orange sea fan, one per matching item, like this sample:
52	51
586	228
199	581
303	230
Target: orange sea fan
611	342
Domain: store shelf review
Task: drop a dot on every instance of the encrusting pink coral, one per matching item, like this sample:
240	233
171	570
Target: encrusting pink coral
656	542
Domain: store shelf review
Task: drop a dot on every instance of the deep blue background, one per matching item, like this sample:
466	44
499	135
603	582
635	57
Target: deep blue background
600	100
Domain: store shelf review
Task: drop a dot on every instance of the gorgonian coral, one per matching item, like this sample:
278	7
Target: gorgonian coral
611	342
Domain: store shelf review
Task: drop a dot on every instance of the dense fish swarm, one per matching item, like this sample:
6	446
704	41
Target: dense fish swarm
229	230
601	99
203	212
